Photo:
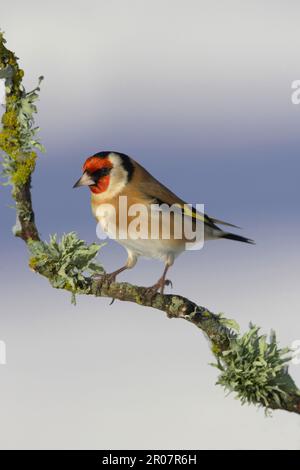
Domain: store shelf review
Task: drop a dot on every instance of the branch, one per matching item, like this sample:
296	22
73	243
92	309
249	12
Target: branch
252	367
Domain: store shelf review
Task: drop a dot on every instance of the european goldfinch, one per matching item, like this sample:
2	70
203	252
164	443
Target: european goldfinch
111	175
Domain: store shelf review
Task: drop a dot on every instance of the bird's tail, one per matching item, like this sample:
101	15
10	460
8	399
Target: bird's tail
238	238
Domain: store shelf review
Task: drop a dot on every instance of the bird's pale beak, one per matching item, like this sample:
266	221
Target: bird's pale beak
85	180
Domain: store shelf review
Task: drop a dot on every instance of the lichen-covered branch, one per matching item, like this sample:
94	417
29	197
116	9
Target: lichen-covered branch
251	366
17	140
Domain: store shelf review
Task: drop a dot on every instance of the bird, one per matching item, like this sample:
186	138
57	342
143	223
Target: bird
113	177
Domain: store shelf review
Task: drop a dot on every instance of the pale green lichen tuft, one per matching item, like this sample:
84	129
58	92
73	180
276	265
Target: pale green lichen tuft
229	323
255	369
66	262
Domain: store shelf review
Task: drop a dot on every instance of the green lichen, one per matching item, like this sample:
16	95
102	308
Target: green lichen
10	120
206	314
176	305
255	369
23	169
216	350
228	323
66	262
17	136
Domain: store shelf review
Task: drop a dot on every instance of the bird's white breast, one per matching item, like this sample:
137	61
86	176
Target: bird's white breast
106	216
156	248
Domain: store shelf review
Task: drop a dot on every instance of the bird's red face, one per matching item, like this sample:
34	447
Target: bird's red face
96	174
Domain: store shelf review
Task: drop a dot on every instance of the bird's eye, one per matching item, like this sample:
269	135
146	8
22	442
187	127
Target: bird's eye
100	173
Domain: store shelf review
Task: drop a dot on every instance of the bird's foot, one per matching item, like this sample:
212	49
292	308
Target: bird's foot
104	279
107	279
158	286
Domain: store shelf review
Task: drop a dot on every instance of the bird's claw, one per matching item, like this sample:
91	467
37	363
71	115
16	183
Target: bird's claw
102	279
168	282
160	285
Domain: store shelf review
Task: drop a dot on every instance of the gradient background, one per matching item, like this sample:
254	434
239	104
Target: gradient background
200	93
